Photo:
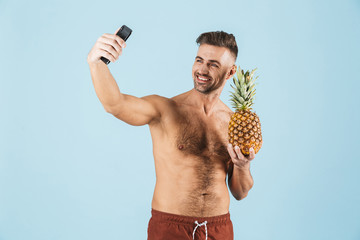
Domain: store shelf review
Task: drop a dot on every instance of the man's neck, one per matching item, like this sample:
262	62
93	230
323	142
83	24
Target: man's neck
206	102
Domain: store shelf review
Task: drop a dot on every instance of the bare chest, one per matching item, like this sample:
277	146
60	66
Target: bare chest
205	139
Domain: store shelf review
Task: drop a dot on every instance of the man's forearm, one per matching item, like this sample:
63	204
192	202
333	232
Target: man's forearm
105	85
241	181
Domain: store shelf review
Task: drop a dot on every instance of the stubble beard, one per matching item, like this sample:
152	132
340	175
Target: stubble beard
203	88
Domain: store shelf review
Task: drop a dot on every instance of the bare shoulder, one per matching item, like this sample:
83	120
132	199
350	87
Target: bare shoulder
227	112
162	104
157	100
180	97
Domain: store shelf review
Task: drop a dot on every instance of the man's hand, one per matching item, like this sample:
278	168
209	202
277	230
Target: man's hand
109	46
240	179
238	158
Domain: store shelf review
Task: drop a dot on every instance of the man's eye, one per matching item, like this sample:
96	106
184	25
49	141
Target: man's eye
198	60
214	65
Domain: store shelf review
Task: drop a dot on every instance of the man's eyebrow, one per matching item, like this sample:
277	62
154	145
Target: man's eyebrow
214	61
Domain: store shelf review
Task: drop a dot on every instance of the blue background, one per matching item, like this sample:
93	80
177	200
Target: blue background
69	170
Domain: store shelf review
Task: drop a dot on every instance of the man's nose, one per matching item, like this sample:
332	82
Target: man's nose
204	69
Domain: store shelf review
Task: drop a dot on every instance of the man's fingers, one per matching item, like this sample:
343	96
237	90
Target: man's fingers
252	154
108	56
236	154
112	42
231	151
111	46
116	38
239	153
120	41
110	50
117	30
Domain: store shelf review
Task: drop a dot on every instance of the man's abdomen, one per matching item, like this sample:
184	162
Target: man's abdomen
186	198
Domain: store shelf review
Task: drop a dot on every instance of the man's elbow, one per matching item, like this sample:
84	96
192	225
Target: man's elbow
240	196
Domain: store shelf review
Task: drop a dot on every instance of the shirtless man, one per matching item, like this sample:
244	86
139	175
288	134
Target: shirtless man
190	144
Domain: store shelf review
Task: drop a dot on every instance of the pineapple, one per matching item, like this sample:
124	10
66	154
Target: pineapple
244	126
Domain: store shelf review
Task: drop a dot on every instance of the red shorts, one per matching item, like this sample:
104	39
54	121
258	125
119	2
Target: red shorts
167	226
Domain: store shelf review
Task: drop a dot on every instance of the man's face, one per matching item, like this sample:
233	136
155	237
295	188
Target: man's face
211	68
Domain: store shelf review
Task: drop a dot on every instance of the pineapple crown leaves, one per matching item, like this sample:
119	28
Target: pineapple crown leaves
244	89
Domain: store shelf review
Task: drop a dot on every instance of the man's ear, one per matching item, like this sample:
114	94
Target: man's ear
232	72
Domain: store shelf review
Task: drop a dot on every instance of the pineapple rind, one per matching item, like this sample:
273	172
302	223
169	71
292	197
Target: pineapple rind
246	134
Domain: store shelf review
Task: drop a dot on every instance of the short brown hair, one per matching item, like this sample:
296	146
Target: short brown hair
220	39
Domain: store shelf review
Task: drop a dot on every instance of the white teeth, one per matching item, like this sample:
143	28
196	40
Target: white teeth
203	79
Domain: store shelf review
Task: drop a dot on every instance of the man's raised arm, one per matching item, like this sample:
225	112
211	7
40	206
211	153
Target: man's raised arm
130	109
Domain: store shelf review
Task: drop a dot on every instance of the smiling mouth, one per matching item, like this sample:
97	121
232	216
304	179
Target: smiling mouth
202	79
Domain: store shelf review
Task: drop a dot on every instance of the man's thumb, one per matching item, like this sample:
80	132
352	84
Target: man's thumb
117	30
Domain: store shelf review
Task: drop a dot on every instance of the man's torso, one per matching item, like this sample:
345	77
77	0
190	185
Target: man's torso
191	159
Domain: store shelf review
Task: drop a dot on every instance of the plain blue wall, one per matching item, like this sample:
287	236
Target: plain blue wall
71	171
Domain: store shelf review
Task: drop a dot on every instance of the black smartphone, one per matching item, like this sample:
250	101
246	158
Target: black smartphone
124	32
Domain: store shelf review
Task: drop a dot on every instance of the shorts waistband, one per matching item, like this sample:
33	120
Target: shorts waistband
169	217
